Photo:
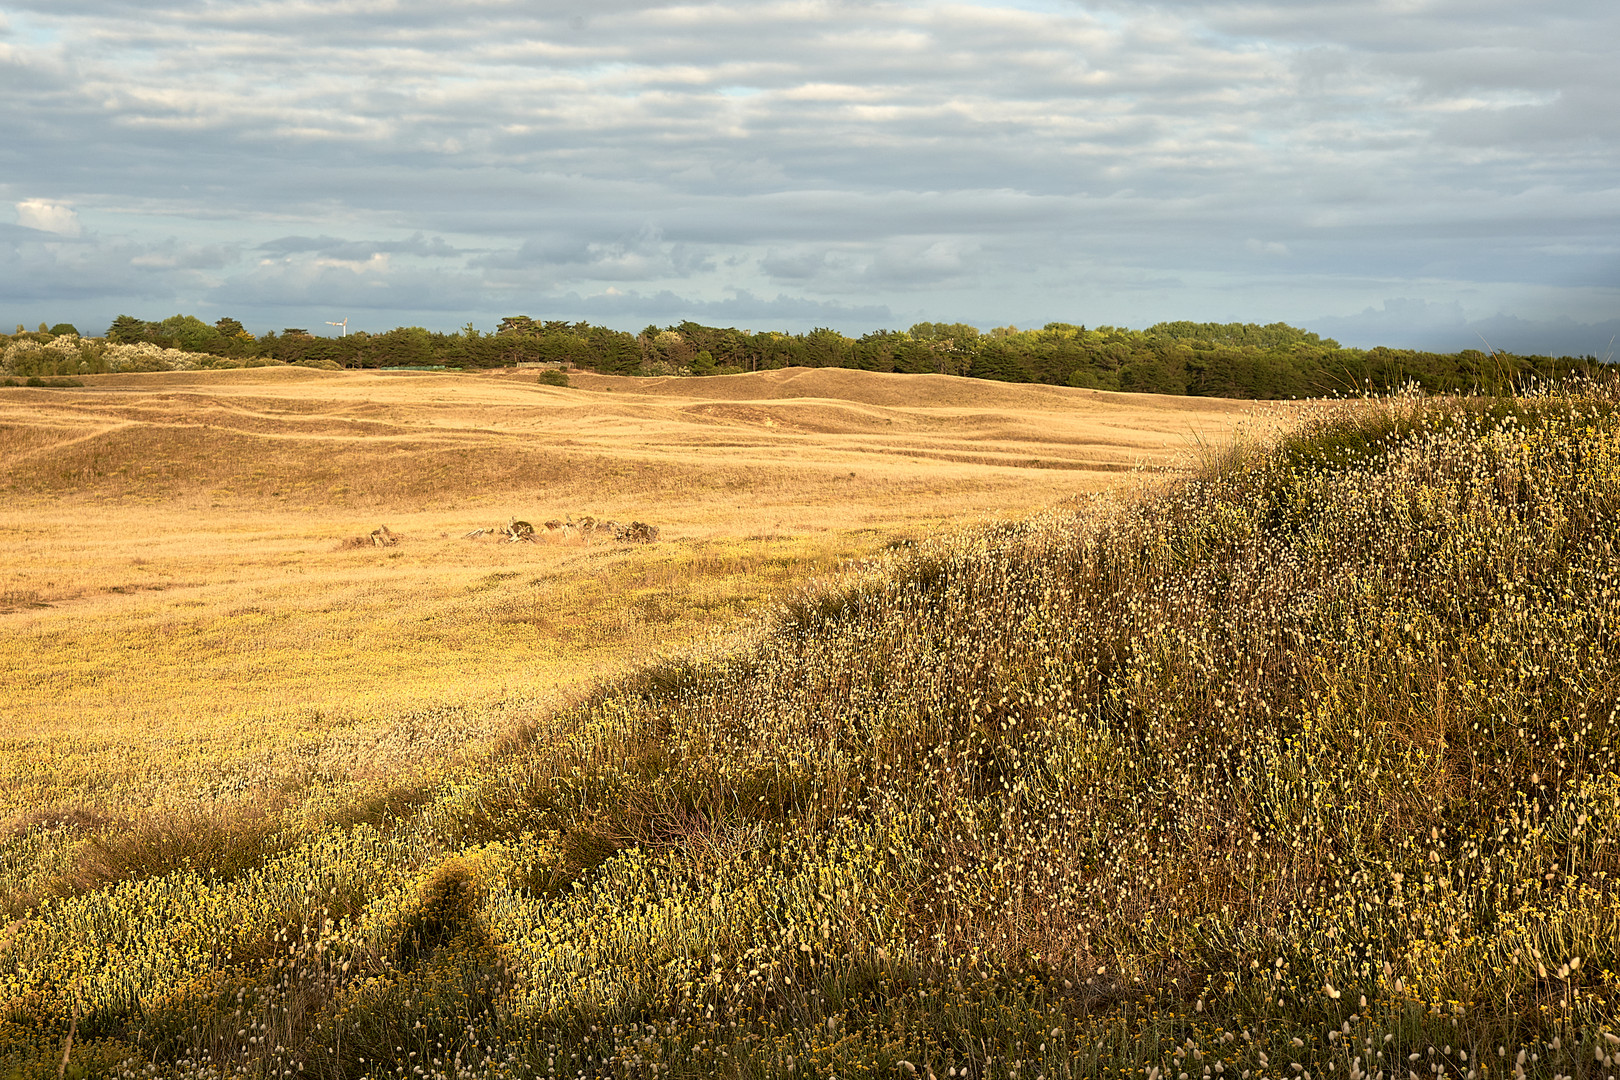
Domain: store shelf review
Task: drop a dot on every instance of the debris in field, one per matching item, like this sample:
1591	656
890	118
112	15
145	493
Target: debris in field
20	600
523	532
381	536
513	532
637	532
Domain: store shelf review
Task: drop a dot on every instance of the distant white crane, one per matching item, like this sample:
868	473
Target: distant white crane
344	324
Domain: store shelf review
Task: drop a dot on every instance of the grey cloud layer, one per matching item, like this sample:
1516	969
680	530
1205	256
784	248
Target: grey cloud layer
1107	162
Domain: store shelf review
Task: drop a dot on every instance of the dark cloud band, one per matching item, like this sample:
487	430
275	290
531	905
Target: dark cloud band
1114	161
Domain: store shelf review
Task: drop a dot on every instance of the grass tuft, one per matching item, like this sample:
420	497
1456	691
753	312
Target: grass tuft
223	844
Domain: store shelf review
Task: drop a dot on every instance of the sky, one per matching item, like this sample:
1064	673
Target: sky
1412	173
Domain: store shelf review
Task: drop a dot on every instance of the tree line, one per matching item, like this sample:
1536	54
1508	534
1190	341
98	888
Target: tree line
1241	360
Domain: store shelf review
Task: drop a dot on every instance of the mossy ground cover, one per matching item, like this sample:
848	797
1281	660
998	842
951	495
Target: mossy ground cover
1302	767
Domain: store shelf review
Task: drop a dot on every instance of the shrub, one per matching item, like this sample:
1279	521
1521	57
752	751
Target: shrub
65	355
161	844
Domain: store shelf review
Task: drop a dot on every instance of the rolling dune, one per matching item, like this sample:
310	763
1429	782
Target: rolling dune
178	615
389	441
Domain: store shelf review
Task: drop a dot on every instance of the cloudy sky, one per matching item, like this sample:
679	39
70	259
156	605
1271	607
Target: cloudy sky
1404	172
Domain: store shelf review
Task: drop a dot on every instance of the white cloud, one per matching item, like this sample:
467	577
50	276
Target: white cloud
48	217
1013	159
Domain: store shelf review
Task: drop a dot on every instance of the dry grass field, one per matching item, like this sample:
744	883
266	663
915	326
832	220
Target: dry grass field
179	620
1304	763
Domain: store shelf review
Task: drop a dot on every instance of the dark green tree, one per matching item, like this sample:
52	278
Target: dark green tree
127	330
406	346
824	347
191	334
957	332
516	324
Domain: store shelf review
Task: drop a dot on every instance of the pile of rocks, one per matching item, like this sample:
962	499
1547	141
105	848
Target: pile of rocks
637	532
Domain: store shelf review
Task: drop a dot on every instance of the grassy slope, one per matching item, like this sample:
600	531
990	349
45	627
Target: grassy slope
178	621
1307	765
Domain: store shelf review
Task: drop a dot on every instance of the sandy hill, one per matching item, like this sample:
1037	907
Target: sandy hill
395	439
178	565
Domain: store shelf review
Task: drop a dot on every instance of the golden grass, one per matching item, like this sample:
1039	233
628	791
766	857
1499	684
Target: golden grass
178	619
1303	766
